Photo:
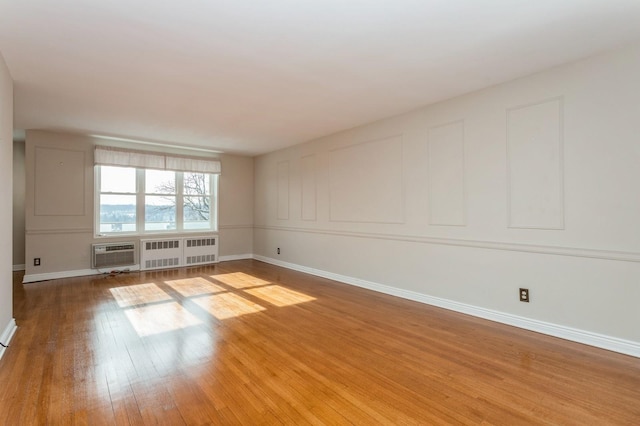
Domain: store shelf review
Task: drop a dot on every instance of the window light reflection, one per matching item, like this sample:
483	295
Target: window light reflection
155	319
197	286
139	294
279	296
239	280
227	305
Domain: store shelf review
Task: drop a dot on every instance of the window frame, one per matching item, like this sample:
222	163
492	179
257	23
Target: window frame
140	195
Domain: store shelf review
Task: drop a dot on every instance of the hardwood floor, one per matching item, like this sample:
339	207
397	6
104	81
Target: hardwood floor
249	343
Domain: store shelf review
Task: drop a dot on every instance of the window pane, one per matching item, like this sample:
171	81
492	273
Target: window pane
160	182
117	179
159	213
117	213
196	184
196	213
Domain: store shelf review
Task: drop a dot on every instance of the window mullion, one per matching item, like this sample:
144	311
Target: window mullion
140	200
180	201
97	175
213	202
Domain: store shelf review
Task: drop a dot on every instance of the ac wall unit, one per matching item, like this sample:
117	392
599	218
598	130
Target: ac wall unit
113	254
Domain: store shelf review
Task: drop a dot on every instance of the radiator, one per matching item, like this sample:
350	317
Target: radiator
175	252
200	250
160	253
112	254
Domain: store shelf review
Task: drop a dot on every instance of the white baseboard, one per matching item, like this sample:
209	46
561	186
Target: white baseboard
615	344
7	334
32	278
235	257
19	267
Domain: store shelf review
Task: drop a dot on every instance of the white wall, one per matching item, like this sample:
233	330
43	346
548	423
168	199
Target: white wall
236	207
532	183
59	205
18	205
59	215
7	323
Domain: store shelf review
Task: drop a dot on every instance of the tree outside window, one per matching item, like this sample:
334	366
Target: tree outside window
196	199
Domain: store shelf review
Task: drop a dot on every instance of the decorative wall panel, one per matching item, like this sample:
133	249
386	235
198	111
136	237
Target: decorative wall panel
59	182
366	182
308	176
446	175
535	165
283	190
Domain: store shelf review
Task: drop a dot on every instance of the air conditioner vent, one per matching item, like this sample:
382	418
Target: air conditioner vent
120	247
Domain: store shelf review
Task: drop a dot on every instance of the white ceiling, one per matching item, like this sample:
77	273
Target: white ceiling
253	76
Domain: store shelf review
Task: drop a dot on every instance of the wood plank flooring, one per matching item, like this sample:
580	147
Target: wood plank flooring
244	342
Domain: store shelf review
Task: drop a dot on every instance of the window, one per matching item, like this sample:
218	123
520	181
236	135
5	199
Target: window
160	200
196	200
117	200
143	200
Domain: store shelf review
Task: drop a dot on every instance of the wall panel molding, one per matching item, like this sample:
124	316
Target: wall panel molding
446	175
54	231
55	169
366	182
309	190
246	226
283	190
535	165
624	256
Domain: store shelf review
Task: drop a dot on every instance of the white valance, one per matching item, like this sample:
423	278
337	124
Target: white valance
109	156
187	164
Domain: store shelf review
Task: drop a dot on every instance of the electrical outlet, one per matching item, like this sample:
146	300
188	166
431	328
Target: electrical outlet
278	250
36	261
524	295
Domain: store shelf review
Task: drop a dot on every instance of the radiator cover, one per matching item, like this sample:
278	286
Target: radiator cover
160	253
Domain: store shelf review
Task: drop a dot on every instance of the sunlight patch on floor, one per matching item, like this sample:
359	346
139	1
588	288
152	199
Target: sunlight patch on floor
155	319
227	305
197	286
239	280
279	296
139	294
152	310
